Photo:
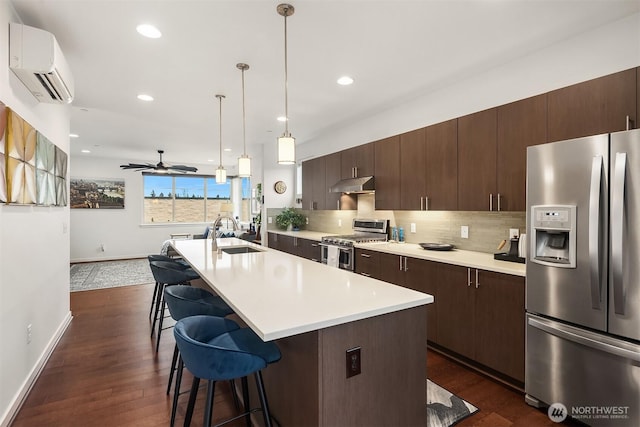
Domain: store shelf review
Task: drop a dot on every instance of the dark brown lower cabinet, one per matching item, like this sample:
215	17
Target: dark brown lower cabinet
305	248
477	314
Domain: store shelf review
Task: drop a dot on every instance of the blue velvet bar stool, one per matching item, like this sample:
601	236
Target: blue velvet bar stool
221	357
156	294
167	273
185	301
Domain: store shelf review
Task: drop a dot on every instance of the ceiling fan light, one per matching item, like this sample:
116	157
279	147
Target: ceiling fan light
244	166
286	150
221	175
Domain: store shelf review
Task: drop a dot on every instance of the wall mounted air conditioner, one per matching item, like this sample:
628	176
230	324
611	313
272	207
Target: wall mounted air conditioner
36	59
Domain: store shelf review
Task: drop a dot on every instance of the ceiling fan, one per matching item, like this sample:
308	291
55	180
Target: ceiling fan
160	166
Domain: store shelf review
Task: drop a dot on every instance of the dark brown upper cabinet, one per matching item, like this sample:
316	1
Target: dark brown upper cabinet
336	201
477	161
520	124
313	184
357	161
441	166
593	107
413	165
387	173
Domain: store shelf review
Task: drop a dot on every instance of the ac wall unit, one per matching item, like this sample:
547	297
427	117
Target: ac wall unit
36	59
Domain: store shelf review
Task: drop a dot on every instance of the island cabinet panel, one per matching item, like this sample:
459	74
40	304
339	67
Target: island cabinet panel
456	310
313	184
499	325
477	161
387	173
357	161
413	177
520	124
441	166
593	107
367	263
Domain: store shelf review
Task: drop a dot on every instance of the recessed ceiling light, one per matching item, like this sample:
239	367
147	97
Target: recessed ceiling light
85	151
282	119
73	135
345	81
149	30
144	97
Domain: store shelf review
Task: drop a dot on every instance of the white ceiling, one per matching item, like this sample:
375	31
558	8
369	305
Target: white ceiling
395	50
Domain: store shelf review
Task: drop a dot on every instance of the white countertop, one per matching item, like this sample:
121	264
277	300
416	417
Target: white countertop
280	295
459	257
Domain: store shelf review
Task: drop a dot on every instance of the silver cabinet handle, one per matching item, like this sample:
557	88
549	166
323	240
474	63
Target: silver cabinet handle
477	280
630	123
426	203
499	202
400	258
295	241
595	194
365	255
405	264
491	202
421	203
468	276
617	225
338	204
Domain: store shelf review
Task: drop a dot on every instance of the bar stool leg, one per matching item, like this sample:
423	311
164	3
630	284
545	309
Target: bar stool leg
153	299
192	401
176	391
174	360
263	399
208	409
158	300
163	306
245	398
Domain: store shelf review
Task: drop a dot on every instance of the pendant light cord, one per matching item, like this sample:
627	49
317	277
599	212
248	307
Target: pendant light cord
220	120
244	120
286	79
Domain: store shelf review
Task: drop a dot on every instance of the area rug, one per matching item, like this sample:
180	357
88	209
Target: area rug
109	274
444	408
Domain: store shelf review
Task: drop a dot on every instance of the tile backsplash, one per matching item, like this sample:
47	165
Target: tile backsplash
486	229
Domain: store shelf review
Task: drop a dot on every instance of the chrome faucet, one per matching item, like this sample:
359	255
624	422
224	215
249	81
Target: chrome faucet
218	221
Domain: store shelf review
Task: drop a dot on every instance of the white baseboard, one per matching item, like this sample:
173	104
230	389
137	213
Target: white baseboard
27	385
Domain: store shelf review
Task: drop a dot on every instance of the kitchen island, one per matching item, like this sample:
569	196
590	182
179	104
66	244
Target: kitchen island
316	313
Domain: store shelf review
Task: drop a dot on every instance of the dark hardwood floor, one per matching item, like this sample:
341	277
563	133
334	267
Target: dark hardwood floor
105	372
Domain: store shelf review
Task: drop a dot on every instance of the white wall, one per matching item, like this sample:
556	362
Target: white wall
34	252
606	50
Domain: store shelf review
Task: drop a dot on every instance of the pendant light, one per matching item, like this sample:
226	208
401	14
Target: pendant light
286	143
244	161
221	174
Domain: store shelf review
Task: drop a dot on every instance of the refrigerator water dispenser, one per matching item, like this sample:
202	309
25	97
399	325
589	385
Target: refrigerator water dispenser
553	241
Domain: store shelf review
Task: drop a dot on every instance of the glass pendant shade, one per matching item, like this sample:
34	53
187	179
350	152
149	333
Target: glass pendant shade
221	175
244	166
286	150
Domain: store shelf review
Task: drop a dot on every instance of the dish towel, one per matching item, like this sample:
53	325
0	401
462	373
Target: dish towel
333	256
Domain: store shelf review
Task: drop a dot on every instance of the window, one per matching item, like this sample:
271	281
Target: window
194	198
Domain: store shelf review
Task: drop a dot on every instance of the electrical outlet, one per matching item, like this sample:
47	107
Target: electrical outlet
307	220
464	231
270	220
29	331
514	233
413	227
353	361
339	223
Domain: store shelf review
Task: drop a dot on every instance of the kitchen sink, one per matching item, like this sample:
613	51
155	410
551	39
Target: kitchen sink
240	250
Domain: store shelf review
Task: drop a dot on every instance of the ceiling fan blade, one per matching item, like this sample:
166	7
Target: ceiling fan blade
183	168
136	166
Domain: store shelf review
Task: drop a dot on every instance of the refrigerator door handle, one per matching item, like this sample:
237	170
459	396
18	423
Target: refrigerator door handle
583	337
617	229
595	203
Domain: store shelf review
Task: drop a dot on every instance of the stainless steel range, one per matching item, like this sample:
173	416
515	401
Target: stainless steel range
338	250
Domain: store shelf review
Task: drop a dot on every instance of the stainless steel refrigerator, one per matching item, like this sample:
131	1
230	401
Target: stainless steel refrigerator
583	278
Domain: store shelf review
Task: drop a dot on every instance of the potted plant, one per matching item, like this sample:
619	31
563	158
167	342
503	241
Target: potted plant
290	217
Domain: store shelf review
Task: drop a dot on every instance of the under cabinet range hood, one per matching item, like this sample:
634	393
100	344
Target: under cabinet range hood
365	184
